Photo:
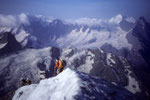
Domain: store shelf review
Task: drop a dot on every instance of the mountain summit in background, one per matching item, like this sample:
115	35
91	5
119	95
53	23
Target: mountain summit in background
116	50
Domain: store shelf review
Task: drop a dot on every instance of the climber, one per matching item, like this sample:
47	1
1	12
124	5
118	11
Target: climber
59	66
25	82
29	82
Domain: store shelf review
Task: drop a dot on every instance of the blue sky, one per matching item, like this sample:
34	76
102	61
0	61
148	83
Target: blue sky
73	9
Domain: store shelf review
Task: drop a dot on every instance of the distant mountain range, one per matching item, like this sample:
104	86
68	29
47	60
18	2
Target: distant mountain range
116	49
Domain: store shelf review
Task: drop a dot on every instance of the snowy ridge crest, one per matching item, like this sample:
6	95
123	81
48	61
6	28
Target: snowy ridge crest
72	85
65	84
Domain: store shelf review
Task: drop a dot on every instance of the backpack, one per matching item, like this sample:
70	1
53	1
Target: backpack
64	63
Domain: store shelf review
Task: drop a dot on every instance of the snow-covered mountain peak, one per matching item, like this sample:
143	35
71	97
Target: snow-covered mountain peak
142	22
142	19
72	85
130	20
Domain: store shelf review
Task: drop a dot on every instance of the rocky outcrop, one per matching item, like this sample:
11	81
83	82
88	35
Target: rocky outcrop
8	44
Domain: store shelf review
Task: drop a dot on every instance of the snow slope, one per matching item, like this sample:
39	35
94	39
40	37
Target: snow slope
72	85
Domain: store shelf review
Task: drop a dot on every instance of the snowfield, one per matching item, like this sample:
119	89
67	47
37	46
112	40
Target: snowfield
72	85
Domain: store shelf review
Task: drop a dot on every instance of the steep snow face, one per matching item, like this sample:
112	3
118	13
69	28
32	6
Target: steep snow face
104	65
3	45
109	60
72	85
21	37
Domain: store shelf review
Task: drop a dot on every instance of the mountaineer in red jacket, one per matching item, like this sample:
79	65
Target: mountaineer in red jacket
59	65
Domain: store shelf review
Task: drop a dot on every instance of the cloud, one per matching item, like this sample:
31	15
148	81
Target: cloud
86	21
117	19
94	21
12	20
23	18
7	20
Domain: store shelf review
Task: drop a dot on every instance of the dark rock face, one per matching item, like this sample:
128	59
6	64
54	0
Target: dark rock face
126	25
115	71
139	62
142	32
141	50
11	44
139	38
110	49
91	87
104	65
139	55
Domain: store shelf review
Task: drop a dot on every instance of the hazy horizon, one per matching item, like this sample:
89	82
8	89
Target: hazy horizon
74	9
